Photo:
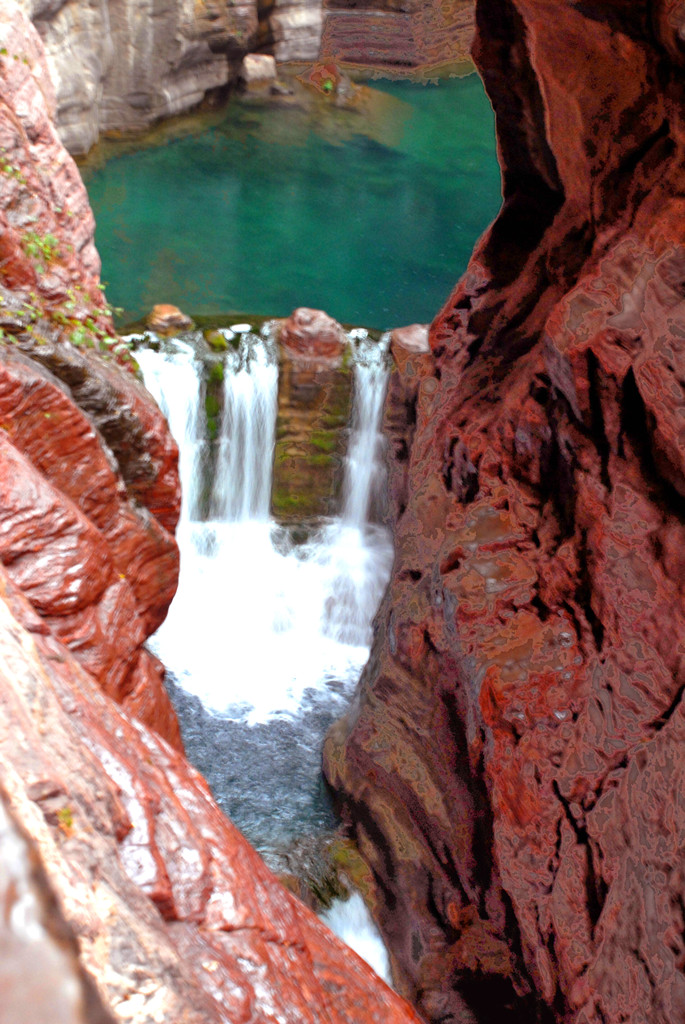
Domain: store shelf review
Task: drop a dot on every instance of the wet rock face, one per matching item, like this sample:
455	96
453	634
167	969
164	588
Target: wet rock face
311	334
177	917
88	471
513	762
311	437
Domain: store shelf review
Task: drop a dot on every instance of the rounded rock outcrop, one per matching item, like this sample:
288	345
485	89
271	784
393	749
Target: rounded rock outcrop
313	334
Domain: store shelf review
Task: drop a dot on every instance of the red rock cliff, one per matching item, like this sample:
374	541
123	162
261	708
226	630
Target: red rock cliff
126	893
89	491
513	765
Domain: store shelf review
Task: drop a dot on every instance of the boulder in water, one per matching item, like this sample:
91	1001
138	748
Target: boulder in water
313	334
167	319
258	69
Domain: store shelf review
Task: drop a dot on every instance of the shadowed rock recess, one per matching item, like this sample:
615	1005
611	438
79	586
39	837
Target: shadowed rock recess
512	767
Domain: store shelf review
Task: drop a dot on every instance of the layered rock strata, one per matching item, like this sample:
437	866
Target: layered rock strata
291	29
314	401
121	66
512	767
88	470
397	35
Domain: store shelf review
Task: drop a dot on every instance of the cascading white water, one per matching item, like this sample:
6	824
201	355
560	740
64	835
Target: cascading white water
352	922
242	490
364	470
270	636
173	379
358	552
257	627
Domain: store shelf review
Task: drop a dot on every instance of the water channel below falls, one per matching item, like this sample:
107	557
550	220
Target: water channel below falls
267	635
369	212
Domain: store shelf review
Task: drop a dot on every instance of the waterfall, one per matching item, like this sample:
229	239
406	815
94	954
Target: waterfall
364	469
173	378
352	922
242	489
263	630
260	627
359	552
266	639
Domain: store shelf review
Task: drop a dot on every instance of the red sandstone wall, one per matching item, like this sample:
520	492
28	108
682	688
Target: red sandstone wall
89	491
513	765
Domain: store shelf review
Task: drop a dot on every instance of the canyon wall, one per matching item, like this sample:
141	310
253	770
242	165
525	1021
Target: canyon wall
291	29
120	65
126	893
397	35
512	766
89	482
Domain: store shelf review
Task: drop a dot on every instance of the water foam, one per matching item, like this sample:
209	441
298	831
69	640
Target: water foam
352	922
259	626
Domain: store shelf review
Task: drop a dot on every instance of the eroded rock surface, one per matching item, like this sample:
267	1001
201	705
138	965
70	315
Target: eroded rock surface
124	892
397	35
88	469
177	918
513	765
294	28
120	65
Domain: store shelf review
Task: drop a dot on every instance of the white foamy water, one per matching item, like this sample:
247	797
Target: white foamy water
242	490
173	379
258	625
351	922
364	470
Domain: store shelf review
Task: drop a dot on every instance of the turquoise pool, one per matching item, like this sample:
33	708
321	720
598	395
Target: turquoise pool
369	214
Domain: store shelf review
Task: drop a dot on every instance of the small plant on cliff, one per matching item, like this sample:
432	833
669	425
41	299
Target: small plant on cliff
65	818
9	169
41	248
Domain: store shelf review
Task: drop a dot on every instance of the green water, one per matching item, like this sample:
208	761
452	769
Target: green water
369	214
